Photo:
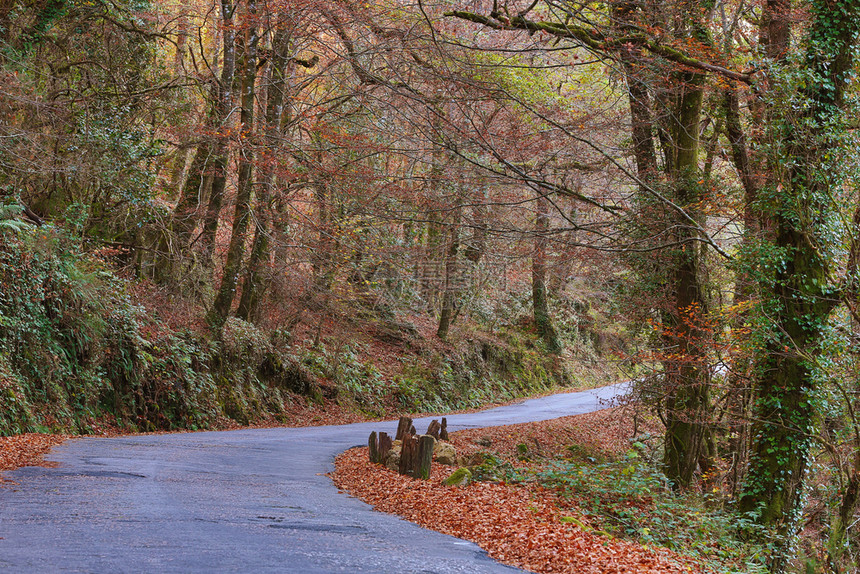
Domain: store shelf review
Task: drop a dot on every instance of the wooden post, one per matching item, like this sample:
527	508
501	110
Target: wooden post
434	428
373	447
384	446
408	454
403	427
425	456
443	432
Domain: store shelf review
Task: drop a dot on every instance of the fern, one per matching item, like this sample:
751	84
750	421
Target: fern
9	218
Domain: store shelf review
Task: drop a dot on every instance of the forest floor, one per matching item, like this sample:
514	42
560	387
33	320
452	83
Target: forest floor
521	524
26	449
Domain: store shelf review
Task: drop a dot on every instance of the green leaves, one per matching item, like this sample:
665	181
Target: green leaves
631	499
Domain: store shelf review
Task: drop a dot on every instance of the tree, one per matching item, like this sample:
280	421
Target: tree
543	320
673	190
792	230
277	94
798	287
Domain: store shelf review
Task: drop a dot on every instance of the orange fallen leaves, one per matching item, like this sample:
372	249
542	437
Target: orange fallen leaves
519	524
26	449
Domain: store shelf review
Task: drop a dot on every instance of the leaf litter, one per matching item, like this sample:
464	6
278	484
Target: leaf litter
521	524
26	450
518	524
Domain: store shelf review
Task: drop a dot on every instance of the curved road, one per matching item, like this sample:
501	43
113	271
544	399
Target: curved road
238	501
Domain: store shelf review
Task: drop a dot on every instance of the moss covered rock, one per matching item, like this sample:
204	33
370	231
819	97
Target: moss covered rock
460	477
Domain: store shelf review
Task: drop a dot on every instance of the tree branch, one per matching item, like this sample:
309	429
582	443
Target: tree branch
596	41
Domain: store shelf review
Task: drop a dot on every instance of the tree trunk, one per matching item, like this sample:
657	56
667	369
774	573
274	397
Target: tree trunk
687	376
324	253
837	544
798	294
230	276
432	278
451	285
185	216
477	244
431	263
542	317
685	369
254	282
783	411
639	98
220	151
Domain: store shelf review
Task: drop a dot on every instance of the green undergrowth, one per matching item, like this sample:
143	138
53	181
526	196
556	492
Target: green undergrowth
75	348
630	498
482	373
479	373
77	352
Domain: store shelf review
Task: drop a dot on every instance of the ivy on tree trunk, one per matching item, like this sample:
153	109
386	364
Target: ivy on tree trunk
798	293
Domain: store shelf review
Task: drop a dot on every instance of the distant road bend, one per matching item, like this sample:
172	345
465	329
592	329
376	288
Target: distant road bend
236	501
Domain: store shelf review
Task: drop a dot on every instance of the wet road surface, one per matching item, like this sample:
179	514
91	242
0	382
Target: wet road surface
235	501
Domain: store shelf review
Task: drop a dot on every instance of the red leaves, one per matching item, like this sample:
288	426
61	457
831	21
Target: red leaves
516	524
608	431
25	449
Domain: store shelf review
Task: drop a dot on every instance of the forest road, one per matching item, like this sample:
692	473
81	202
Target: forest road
232	501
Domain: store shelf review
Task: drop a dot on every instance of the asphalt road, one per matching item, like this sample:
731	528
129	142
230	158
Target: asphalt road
237	501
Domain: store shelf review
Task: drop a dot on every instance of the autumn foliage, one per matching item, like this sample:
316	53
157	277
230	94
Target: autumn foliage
523	525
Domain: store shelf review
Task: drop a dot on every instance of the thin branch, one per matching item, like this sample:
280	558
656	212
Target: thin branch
596	41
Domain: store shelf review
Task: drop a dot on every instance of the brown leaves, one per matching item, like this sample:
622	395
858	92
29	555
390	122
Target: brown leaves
608	431
26	449
516	524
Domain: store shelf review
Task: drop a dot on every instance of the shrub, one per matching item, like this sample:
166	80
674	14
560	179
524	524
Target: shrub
631	498
74	347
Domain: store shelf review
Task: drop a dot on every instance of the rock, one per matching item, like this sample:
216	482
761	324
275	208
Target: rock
445	453
474	459
460	477
392	458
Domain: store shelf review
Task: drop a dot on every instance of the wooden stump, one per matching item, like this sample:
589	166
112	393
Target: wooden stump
408	455
434	429
373	447
378	447
443	432
403	426
416	454
385	444
425	456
